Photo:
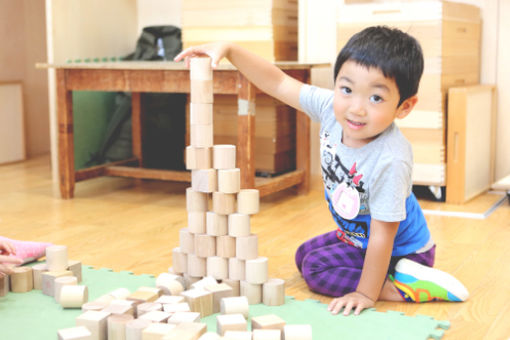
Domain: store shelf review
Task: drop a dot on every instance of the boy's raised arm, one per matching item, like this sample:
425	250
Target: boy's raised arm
263	74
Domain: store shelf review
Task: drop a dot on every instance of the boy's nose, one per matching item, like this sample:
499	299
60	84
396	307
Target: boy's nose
357	108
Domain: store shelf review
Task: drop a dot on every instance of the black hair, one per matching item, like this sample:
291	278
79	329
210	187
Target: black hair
397	54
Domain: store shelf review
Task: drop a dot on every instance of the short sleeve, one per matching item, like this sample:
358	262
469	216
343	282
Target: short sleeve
315	101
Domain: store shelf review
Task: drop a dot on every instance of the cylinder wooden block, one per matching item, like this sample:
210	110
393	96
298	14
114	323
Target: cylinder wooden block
267	334
56	258
202	91
196	222
224	204
63	281
198	158
4	285
297	332
94	306
186	241
224	156
204	180
253	292
22	279
134	329
196	266
37	271
73	296
179	260
205	245
216	224
201	114
200	68
236	269
273	292
225	246
196	200
257	270
248	201
217	267
229	180
169	284
238	225
235	305
247	247
117	326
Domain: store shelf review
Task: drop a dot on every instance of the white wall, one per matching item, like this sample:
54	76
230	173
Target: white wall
158	12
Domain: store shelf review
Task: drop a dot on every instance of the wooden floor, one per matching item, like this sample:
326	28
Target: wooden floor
126	224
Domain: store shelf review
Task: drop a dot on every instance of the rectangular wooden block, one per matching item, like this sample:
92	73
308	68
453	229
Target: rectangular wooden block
74	333
230	322
96	323
157	331
187	331
268	321
200	301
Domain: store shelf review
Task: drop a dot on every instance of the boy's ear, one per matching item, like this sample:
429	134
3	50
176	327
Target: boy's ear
406	107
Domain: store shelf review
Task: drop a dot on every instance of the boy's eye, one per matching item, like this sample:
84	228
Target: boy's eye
376	99
345	90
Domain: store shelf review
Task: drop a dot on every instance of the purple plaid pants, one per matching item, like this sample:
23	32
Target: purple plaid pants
332	267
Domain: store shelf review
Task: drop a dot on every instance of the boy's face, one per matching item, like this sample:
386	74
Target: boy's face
365	103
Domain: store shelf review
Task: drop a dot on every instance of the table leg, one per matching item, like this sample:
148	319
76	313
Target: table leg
65	136
137	127
246	132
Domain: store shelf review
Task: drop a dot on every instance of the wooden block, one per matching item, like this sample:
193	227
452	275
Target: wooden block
223	203
267	334
134	329
48	281
236	269
169	299
247	247
73	296
116	325
224	156
238	225
156	316
96	306
200	301
198	157
201	136
96	323
204	180
200	68
63	281
273	292
268	321
22	279
186	241
189	280
248	201
235	285
56	258
210	336
217	267
74	333
196	200
141	296
201	114
180	317
216	224
121	307
169	284
157	331
179	260
205	281
226	246
252	291
177	307
230	322
205	245
219	291
237	335
235	305
4	285
146	307
156	290
75	267
37	271
187	331
120	293
202	92
297	332
257	270
196	222
229	180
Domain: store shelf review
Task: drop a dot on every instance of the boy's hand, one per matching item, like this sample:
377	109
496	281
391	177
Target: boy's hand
216	51
354	300
6	261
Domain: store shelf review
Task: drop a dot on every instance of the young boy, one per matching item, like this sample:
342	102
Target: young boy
382	249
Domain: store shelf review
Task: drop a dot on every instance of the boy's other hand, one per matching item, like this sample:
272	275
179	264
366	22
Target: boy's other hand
352	301
216	51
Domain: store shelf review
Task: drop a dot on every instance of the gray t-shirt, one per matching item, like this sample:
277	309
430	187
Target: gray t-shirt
380	172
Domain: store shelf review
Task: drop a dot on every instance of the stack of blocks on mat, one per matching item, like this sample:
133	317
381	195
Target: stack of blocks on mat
216	269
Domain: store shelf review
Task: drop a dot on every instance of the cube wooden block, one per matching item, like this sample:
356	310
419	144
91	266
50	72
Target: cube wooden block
267	334
297	332
22	279
248	201
200	301
219	291
247	247
273	292
156	316
96	323
217	267
230	322
235	285
216	224
257	270
121	307
268	321
157	331
211	336
198	157
74	333
48	281
180	317
235	305
146	307
223	203
239	225
205	245
196	200
204	180
187	331
252	291
177	307
204	282
141	296
224	156
229	180
237	335
169	299
226	246
75	267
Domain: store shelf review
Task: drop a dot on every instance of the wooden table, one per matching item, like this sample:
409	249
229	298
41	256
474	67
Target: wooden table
138	77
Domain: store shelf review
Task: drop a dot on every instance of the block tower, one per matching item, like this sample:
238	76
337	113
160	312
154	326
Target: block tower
218	242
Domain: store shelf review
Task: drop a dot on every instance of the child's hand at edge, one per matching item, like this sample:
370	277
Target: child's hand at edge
216	51
7	261
356	301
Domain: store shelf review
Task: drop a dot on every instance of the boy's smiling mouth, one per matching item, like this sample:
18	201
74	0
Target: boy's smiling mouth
354	125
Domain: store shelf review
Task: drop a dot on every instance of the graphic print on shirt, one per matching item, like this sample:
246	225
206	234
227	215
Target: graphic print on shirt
346	196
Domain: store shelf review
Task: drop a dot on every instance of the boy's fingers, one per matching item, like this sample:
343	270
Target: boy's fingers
348	308
10	259
358	310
